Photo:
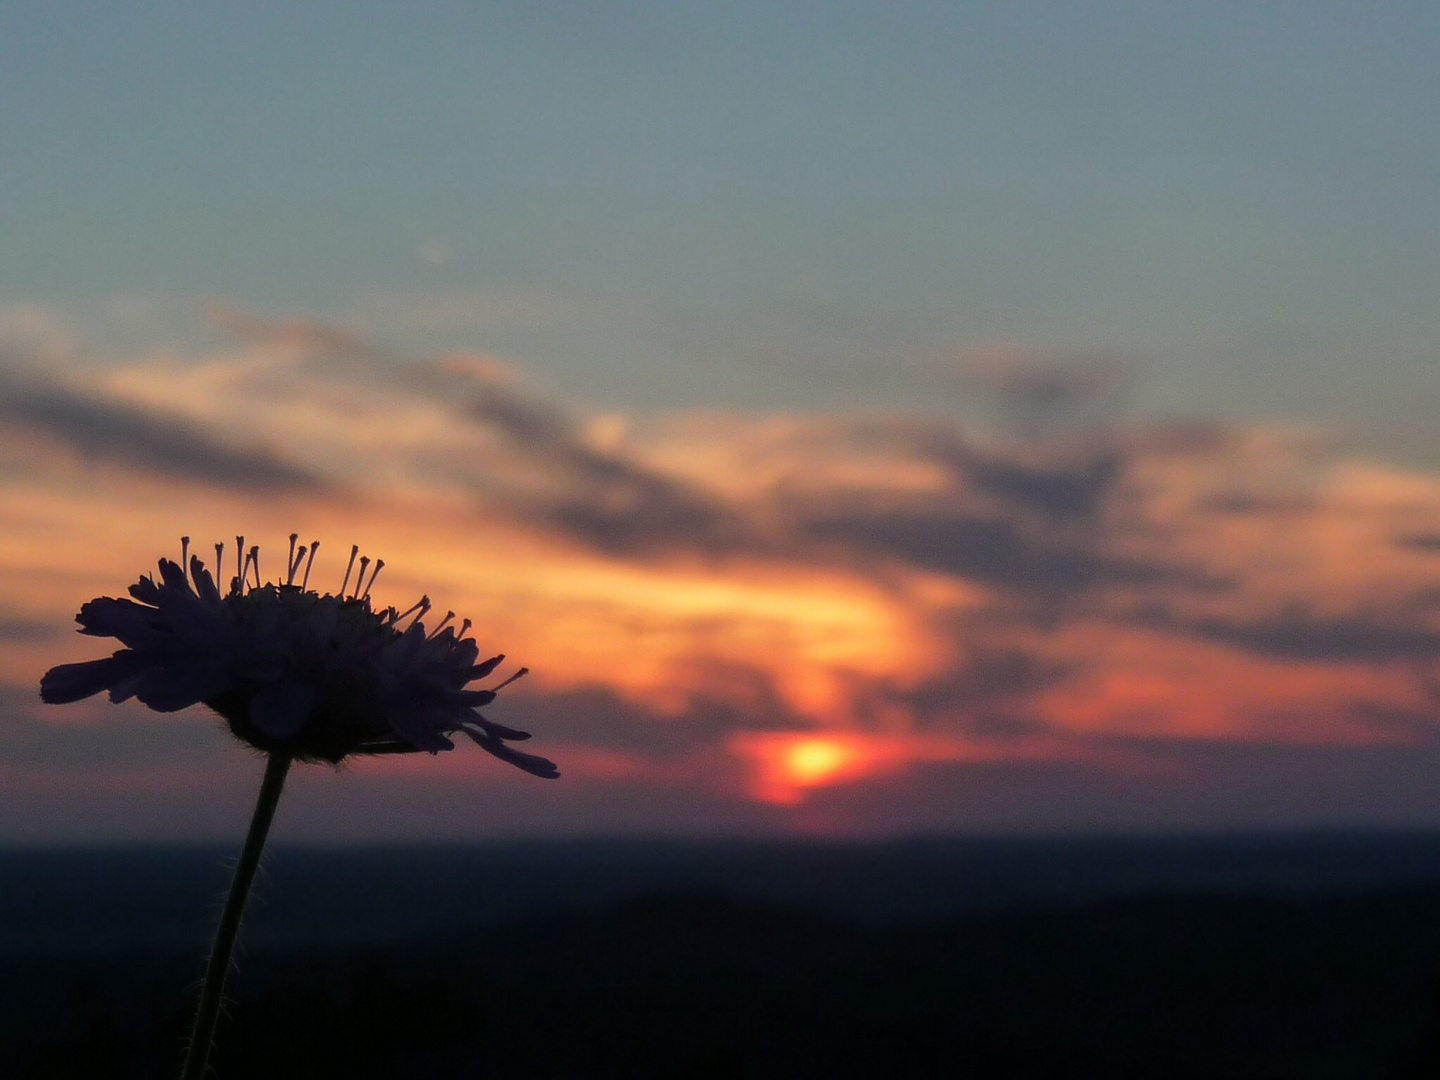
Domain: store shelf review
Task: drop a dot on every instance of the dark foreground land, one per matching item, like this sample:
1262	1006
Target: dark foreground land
1300	959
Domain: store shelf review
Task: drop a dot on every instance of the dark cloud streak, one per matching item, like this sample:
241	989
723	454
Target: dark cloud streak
610	502
1305	637
98	428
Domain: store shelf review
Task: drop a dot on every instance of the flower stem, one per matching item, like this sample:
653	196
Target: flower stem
198	1057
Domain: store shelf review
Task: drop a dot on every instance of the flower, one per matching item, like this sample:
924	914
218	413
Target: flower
317	677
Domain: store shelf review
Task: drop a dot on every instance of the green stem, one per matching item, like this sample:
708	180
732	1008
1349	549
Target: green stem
198	1057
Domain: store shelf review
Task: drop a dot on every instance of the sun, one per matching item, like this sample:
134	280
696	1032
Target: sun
812	761
786	766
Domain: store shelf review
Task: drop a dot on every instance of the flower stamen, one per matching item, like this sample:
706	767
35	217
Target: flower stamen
364	563
422	606
354	550
441	625
314	547
378	564
290	563
518	675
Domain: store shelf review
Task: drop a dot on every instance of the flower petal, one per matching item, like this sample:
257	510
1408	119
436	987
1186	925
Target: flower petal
72	682
424	729
146	591
189	616
474	698
479	671
499	731
531	763
204	583
176	686
133	624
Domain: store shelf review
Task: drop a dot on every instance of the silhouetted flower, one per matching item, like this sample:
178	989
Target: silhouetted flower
311	676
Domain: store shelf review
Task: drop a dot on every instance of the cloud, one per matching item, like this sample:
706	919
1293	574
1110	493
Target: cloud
37	332
99	428
1062	486
1036	394
991	551
306	338
604	499
1306	637
701	593
25	630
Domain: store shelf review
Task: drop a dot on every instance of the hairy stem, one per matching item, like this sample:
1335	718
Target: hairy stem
198	1057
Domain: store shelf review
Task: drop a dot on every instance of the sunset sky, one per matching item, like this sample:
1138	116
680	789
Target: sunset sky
863	419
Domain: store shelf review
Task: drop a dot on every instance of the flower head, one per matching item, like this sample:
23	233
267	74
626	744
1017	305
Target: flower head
317	677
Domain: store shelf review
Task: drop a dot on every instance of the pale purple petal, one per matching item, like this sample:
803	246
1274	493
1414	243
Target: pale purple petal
531	763
474	698
146	591
479	671
499	731
133	624
177	686
204	583
72	682
421	730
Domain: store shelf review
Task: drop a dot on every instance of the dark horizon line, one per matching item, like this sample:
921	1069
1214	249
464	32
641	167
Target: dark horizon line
759	839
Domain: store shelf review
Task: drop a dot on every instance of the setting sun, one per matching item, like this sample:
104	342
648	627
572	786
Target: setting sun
786	765
813	761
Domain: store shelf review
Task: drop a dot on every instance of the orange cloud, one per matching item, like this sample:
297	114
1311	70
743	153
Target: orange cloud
813	600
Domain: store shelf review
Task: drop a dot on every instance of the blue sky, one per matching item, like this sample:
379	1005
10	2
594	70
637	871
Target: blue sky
754	204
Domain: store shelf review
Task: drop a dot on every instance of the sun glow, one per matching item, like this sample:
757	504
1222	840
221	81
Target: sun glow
786	766
813	761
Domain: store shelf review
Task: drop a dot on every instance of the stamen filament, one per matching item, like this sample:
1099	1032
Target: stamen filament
290	560
354	550
378	564
519	674
422	605
295	566
441	624
314	547
364	562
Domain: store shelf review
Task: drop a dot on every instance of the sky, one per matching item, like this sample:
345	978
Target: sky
863	419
